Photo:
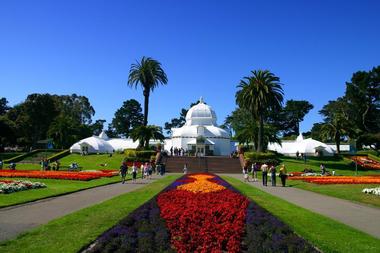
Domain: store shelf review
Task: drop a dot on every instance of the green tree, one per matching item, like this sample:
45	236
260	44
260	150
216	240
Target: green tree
178	122
127	117
294	113
336	121
3	106
147	73
97	126
146	133
363	97
260	93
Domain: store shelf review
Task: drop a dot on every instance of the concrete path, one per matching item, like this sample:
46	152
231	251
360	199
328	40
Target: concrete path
20	218
361	217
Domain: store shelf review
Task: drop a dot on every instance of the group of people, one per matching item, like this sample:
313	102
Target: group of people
265	170
177	151
11	166
147	170
45	165
301	156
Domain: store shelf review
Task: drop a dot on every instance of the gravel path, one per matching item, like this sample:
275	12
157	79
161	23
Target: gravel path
361	217
20	218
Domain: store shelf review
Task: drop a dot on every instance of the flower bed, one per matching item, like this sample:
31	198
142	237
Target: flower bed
200	213
366	162
374	191
10	186
338	179
69	175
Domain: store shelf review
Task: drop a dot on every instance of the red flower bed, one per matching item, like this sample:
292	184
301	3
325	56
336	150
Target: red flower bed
209	221
339	179
366	162
68	175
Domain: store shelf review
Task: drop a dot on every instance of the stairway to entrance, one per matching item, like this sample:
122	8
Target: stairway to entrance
212	164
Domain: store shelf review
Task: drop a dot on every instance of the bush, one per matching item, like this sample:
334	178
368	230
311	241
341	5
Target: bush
59	155
130	153
262	157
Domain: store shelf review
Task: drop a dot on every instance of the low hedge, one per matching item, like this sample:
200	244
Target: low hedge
59	155
139	154
262	157
21	157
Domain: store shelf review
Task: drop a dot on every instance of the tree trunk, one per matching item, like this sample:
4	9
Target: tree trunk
261	134
337	142
146	106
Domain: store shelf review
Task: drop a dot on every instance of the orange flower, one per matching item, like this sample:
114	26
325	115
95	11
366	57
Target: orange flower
201	185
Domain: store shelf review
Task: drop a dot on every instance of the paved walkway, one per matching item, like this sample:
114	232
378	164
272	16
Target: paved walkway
361	217
17	219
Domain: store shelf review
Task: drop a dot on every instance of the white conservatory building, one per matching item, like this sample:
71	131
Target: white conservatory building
200	135
103	145
309	147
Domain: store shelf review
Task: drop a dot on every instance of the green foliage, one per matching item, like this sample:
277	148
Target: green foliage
127	117
21	157
130	152
259	94
178	122
146	133
262	157
292	114
139	154
147	73
72	232
58	155
315	228
64	118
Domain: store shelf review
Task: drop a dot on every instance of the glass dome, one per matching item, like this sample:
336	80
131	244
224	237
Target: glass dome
201	114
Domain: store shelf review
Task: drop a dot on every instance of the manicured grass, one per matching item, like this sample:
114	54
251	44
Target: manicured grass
74	231
341	166
88	162
325	233
54	187
352	192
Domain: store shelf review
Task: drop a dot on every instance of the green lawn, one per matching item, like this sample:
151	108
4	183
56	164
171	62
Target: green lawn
325	233
88	162
71	232
54	187
352	192
341	166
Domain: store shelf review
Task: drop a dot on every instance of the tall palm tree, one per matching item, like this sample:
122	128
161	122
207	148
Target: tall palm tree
146	133
260	93
147	73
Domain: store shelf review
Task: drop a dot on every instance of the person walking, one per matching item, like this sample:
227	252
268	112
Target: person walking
323	169
150	170
264	170
255	168
185	169
283	175
272	171
123	172
134	172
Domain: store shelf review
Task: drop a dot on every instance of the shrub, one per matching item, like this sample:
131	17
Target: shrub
59	155
262	157
130	152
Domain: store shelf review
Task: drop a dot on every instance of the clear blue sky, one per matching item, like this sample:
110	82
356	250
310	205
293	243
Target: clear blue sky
206	47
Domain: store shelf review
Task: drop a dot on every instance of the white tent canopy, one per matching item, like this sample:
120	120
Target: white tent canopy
103	144
92	144
309	147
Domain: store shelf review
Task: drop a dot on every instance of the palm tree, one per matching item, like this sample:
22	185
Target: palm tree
146	133
149	74
259	94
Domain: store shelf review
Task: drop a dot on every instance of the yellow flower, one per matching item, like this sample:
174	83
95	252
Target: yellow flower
201	185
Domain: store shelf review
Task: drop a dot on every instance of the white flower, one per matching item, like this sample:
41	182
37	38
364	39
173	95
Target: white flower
374	191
